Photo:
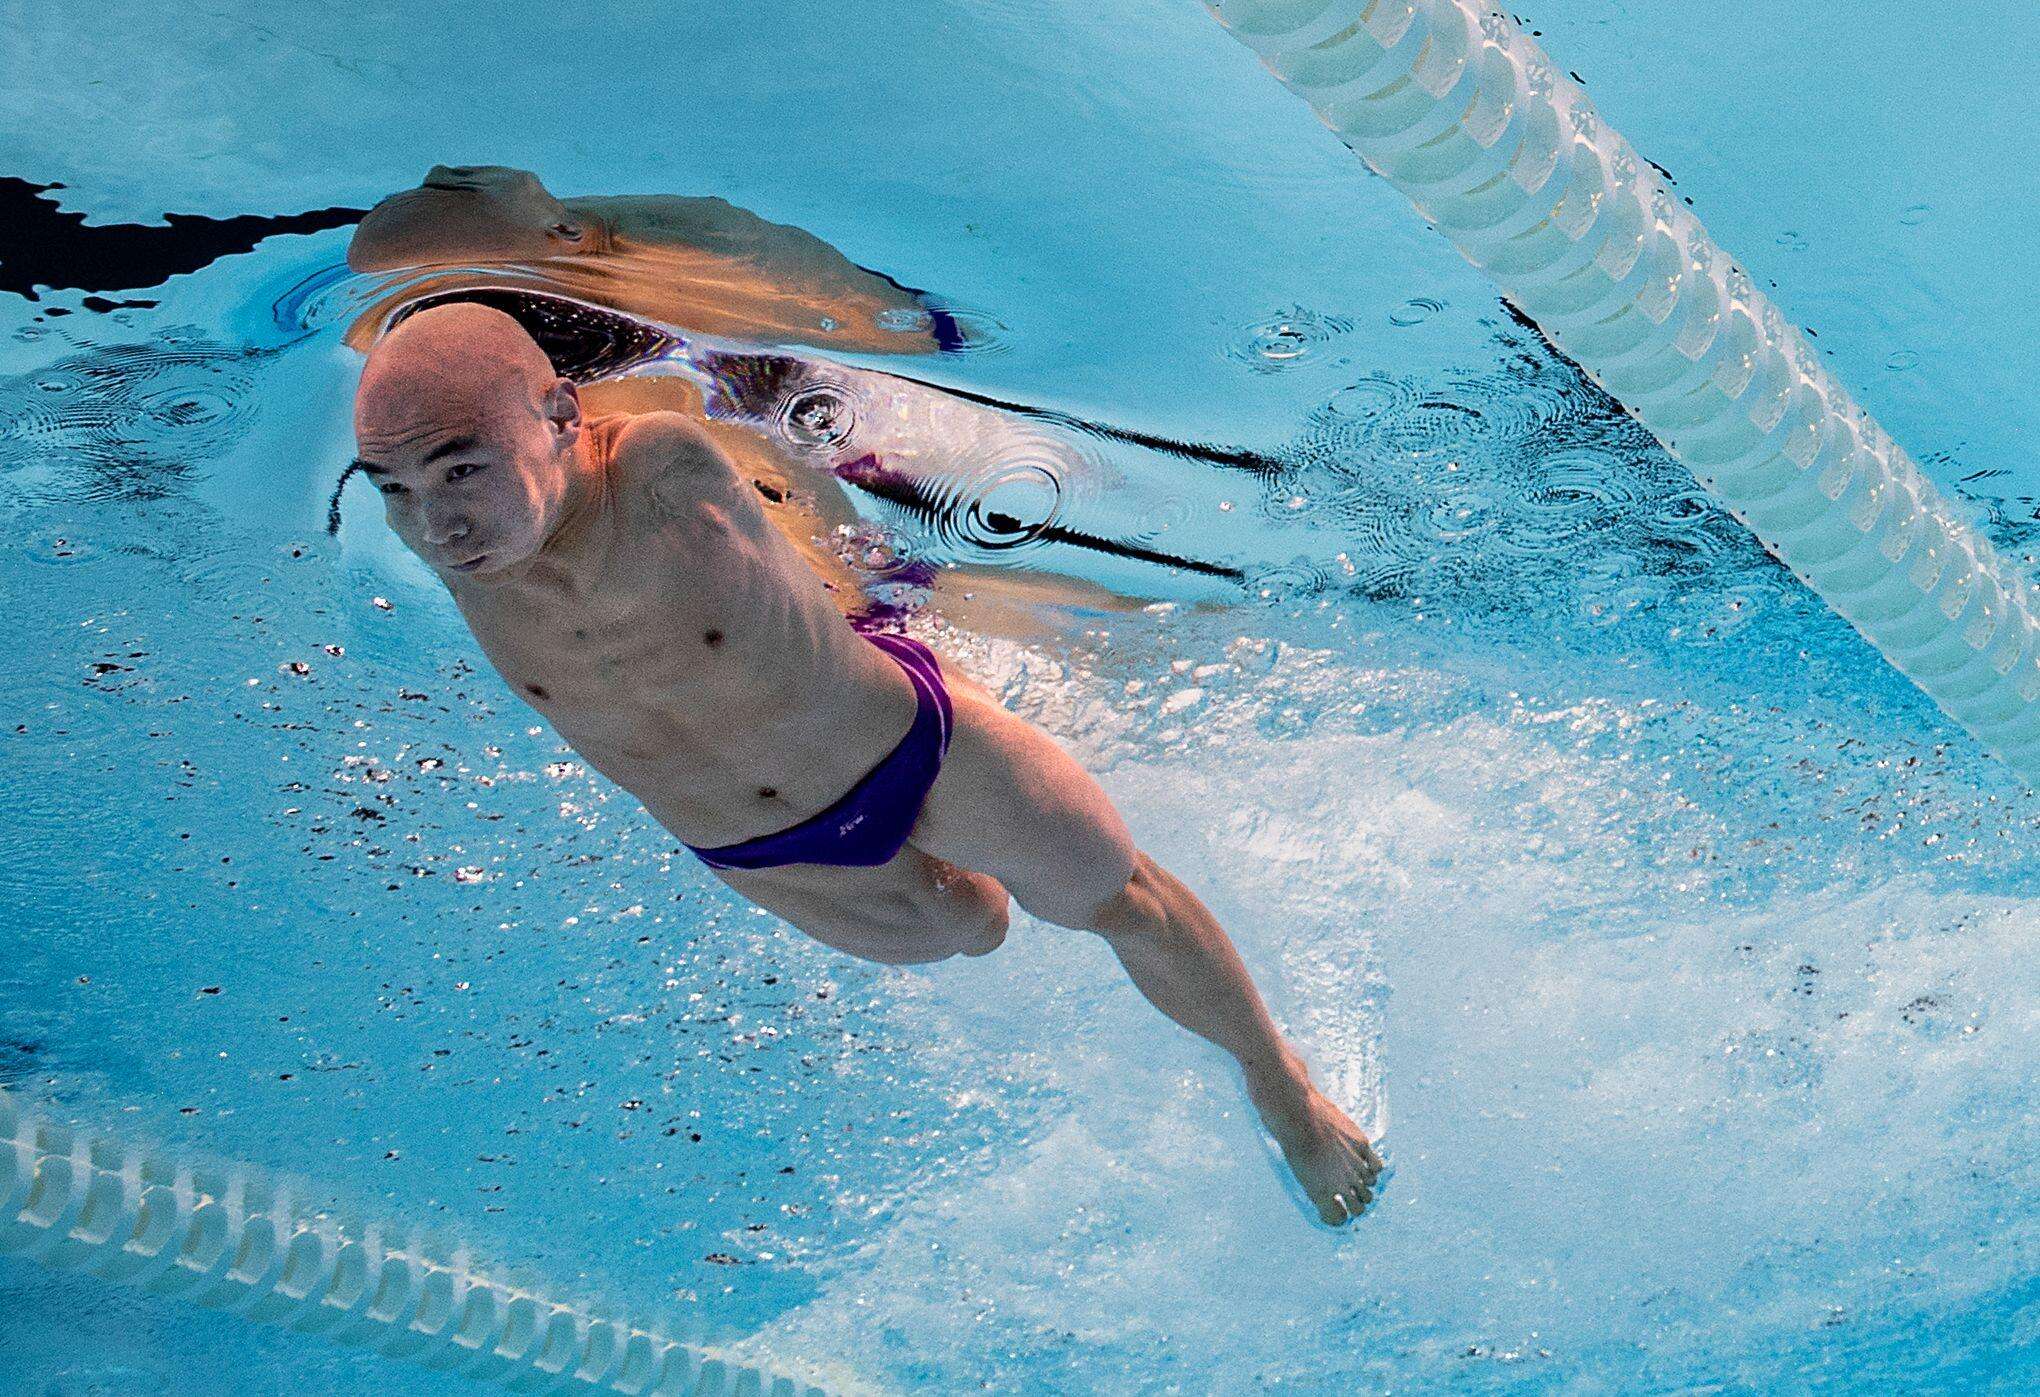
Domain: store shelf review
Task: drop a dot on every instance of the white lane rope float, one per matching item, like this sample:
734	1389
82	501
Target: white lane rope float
1460	110
233	1237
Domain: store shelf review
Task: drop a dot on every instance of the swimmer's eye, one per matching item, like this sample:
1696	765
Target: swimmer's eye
465	468
570	231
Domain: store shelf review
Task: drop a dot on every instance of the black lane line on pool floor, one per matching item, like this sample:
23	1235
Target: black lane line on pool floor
45	247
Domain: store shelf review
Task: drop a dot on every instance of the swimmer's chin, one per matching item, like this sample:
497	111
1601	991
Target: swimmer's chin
481	565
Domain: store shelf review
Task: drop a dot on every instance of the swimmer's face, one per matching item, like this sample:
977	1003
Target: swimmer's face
475	491
467	214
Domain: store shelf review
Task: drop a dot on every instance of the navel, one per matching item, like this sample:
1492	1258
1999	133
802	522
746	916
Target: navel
768	793
712	637
537	691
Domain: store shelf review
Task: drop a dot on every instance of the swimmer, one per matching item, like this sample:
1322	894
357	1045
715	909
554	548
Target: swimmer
621	575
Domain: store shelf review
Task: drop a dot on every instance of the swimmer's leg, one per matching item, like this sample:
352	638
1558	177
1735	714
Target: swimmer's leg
1012	803
911	911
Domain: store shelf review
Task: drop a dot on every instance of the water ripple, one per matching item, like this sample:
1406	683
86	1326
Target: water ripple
1285	339
1510	494
963	330
1415	311
125	421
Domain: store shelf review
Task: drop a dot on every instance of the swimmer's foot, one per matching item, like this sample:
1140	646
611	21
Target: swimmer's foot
1329	1155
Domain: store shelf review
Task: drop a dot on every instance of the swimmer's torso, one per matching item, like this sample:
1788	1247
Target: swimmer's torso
681	645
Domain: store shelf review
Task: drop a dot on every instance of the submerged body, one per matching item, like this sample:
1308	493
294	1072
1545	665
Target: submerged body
622	575
655	660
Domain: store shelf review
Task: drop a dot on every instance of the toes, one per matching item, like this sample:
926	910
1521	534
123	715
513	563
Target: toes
1365	1159
1357	1191
1368	1181
1364	1163
1347	1177
1345	1203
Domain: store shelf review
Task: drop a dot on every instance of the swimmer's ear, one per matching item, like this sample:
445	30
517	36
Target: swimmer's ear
563	409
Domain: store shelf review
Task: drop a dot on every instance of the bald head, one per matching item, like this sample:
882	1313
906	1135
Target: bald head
450	359
469	434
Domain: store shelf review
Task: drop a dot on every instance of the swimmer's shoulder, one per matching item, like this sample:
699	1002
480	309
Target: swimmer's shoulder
666	461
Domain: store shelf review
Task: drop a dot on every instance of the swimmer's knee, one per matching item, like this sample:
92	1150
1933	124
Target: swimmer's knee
1139	906
1112	895
963	909
973	922
986	932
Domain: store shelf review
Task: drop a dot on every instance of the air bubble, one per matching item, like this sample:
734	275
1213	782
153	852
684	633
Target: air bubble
873	550
1519	493
1011	507
993	510
59	550
1281	342
1368	399
127	420
183	408
1300	577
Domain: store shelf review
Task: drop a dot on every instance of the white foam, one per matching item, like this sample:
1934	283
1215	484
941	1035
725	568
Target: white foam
1623	1107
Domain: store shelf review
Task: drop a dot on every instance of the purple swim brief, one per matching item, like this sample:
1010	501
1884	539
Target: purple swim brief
871	822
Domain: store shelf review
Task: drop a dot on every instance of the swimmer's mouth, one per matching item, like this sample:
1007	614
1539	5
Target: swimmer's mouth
471	564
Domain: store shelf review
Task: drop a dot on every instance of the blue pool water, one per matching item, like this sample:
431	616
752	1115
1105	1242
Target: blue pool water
1682	948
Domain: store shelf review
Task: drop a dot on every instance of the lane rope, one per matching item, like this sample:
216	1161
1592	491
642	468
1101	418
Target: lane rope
234	1237
1505	155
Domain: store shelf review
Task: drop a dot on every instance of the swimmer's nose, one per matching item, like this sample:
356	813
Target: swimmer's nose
449	176
453	531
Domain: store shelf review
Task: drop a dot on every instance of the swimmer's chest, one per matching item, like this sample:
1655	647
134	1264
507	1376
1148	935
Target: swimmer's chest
680	629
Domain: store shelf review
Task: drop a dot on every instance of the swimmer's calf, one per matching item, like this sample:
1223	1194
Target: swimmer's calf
624	579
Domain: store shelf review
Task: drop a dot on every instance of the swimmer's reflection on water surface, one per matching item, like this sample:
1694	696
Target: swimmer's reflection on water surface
699	263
